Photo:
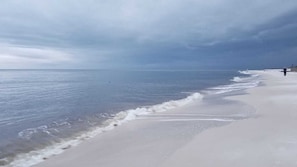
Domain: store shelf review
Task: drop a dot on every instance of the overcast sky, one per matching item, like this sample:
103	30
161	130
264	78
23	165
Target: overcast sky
148	34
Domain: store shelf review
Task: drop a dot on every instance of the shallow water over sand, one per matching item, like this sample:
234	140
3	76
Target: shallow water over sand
40	108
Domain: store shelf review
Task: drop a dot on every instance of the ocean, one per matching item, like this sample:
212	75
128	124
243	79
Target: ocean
44	111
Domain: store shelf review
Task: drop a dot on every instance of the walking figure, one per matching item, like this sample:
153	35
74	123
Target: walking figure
285	71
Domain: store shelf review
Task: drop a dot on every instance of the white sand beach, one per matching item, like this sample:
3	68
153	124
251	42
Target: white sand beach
212	135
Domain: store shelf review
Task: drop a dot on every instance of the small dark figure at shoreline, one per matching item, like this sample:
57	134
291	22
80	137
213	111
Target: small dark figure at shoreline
285	71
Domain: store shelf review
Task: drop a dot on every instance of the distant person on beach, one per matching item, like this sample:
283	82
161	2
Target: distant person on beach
285	71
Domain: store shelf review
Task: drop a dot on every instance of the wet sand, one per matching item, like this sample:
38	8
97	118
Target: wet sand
254	129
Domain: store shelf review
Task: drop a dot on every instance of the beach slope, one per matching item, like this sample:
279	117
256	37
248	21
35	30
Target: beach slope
185	137
270	139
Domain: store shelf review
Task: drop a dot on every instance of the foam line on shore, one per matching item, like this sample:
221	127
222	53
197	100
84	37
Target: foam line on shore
37	156
198	119
239	83
122	117
268	140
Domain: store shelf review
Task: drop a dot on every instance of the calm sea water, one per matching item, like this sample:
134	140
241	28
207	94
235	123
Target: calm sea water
42	107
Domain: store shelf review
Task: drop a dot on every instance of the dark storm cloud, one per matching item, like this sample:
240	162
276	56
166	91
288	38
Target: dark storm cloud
145	33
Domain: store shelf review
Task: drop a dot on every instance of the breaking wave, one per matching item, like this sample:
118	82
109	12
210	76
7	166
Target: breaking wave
37	156
250	80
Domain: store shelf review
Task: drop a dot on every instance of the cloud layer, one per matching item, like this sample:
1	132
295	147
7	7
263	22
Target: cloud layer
146	33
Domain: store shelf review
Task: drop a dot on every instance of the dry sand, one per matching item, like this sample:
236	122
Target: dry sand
193	135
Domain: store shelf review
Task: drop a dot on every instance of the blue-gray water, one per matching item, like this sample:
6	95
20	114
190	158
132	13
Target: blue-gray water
41	107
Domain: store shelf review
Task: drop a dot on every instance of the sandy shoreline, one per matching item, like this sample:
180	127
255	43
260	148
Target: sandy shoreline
268	140
179	138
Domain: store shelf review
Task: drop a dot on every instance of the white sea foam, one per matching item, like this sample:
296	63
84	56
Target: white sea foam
240	83
128	115
235	87
237	79
197	119
34	157
28	133
247	72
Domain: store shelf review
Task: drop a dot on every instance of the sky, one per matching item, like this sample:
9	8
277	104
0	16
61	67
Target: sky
147	34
